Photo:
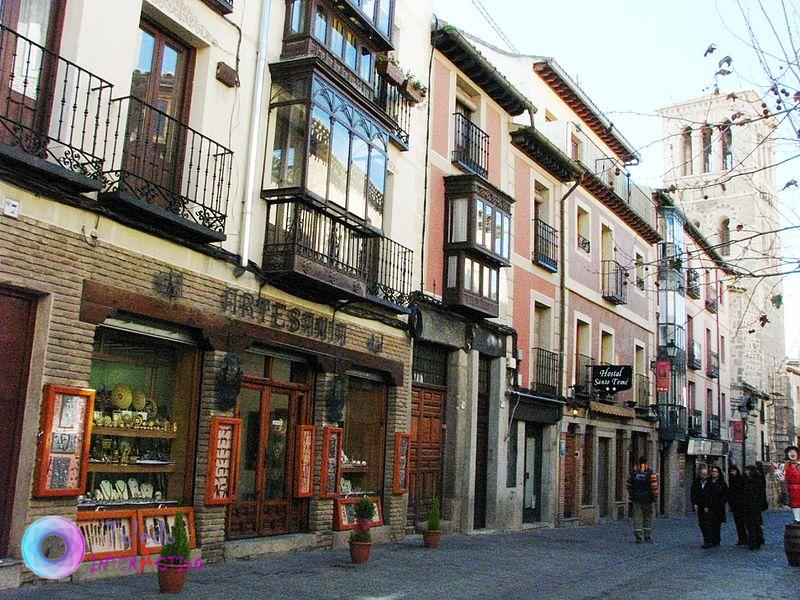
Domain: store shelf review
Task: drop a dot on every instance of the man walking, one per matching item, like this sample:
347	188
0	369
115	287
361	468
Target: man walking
643	491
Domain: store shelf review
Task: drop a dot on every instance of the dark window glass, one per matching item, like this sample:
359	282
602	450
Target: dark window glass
430	364
289	127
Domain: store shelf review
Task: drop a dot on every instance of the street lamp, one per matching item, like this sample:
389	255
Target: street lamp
744	412
671	349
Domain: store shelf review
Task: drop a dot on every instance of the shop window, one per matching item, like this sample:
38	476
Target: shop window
364	423
147	388
275	368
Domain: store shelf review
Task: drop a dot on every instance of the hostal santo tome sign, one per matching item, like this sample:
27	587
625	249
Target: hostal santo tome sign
283	316
609	379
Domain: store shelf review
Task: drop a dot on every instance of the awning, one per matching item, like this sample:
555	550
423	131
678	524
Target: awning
614	410
535	408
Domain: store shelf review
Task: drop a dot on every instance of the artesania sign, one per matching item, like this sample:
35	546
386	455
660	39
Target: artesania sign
610	379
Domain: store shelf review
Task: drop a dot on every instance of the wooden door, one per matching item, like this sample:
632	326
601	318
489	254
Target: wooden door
31	28
427	445
16	336
602	476
154	141
532	492
570	476
482	444
265	504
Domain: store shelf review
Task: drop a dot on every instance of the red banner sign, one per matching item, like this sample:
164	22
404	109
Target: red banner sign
738	432
663	372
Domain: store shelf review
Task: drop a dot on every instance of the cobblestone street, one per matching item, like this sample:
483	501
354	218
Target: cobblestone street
580	562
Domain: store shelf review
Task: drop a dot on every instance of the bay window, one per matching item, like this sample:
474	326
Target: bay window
344	166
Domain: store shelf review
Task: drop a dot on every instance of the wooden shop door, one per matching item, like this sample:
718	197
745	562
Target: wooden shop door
603	490
265	504
482	445
16	336
425	477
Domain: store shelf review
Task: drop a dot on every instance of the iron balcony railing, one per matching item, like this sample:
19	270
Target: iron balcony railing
471	149
545	244
642	391
584	244
713	427
711	298
546	366
397	106
583	375
383	265
712	365
672	423
615	282
166	164
695	422
694	359
571	140
53	113
693	283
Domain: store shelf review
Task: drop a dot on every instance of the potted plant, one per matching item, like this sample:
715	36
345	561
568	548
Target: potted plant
361	538
174	561
433	533
413	89
388	67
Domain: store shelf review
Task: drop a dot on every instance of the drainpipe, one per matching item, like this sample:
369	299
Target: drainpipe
562	253
255	128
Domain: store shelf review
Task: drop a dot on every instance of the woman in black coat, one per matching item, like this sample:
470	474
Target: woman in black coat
755	501
709	495
738	503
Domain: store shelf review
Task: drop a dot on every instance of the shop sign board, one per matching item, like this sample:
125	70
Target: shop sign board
304	486
402	462
610	379
223	460
663	372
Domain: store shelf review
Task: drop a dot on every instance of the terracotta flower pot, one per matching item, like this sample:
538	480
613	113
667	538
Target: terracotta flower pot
431	539
414	95
359	552
171	577
393	73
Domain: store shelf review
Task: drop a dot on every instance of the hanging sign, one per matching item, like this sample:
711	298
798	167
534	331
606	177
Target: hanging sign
610	379
402	462
738	432
304	484
663	372
223	460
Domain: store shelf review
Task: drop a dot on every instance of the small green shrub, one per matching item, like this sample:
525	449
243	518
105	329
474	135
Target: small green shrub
365	509
434	517
178	549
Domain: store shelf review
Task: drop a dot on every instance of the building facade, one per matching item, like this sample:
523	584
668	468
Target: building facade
185	339
719	171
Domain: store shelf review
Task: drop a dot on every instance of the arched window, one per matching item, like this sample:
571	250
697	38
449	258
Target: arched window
686	151
725	237
727	146
706	137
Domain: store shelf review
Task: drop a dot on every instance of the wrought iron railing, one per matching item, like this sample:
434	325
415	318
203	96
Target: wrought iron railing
51	109
713	427
397	106
712	364
165	163
545	366
545	244
471	150
711	298
615	282
642	391
672	421
695	422
583	375
383	265
693	283
694	359
584	244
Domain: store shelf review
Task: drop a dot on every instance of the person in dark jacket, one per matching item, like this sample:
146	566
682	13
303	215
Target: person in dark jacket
763	503
738	503
709	494
755	498
643	491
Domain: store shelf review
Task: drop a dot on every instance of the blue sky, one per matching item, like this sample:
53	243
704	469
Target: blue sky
635	56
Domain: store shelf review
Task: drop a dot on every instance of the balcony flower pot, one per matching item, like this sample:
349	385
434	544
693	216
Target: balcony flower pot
413	91
172	576
390	70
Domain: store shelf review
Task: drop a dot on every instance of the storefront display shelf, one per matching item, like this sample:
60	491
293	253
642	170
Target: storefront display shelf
134	432
95	467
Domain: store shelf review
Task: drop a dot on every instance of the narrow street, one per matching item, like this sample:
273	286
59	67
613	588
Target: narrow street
581	562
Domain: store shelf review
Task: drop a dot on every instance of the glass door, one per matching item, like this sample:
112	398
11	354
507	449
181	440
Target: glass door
264	504
30	29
